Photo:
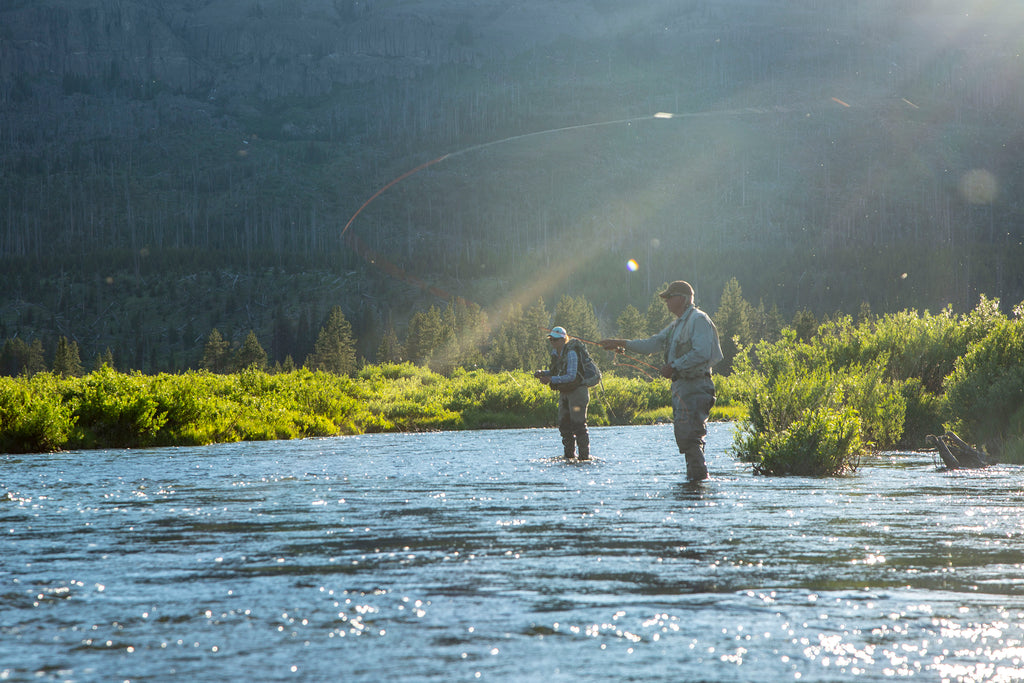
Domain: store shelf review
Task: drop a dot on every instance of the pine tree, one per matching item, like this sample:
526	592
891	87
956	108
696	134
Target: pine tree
765	325
66	361
658	316
217	353
14	357
251	354
519	342
390	349
35	361
427	334
335	349
471	331
282	337
577	316
805	324
106	358
733	322
631	324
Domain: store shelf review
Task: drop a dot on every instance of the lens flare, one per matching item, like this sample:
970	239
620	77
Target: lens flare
632	266
979	186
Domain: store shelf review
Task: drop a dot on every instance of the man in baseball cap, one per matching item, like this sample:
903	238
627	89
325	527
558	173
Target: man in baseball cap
690	346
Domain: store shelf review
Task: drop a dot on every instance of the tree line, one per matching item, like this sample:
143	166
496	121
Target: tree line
459	334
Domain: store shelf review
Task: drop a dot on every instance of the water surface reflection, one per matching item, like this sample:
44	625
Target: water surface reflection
481	554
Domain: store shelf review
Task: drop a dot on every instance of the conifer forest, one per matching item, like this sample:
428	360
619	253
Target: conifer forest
201	182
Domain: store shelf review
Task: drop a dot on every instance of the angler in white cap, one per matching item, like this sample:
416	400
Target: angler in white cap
565	375
690	346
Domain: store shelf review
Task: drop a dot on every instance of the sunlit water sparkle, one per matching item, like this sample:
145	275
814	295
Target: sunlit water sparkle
483	555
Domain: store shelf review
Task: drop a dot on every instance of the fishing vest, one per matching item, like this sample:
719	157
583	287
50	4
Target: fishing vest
681	341
560	364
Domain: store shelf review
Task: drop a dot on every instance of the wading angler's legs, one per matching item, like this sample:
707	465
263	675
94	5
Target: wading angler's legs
691	405
572	422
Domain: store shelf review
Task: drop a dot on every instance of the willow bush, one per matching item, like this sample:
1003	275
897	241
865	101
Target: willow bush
801	410
32	418
821	442
803	406
987	390
898	378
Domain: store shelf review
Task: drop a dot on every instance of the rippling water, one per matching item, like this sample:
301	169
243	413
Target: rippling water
482	555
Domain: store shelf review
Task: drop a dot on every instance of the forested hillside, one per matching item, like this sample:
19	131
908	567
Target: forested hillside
167	168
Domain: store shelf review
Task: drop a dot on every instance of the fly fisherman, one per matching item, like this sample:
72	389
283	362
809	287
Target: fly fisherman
690	346
566	376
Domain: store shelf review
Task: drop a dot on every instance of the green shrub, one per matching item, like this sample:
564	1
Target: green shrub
115	410
985	392
800	410
880	405
33	418
821	442
924	413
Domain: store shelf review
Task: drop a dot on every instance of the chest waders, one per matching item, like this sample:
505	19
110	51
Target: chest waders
693	396
573	401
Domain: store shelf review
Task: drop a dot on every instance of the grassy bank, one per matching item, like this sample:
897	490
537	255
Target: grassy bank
108	409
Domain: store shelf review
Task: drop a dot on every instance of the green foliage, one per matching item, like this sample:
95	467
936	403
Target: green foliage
631	400
880	405
519	342
251	355
890	372
821	442
107	409
114	409
335	349
797	403
507	399
925	413
31	420
986	389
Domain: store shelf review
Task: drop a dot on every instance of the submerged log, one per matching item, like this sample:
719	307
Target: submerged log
956	453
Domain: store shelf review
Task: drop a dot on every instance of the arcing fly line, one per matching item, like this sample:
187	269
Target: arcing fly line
376	260
383	264
473	148
661	115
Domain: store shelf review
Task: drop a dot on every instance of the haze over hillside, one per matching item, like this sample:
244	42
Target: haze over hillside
170	167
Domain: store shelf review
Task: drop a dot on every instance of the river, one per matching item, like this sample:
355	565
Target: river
462	556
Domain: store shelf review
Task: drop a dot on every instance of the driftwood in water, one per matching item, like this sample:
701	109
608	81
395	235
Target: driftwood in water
955	452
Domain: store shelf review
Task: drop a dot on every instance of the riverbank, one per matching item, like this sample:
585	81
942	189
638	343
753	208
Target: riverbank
108	409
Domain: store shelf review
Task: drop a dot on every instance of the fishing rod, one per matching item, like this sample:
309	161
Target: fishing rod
615	357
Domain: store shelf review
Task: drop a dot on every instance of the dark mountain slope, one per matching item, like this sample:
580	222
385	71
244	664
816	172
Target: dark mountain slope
167	167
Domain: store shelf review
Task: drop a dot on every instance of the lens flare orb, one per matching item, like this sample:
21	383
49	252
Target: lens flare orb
632	266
